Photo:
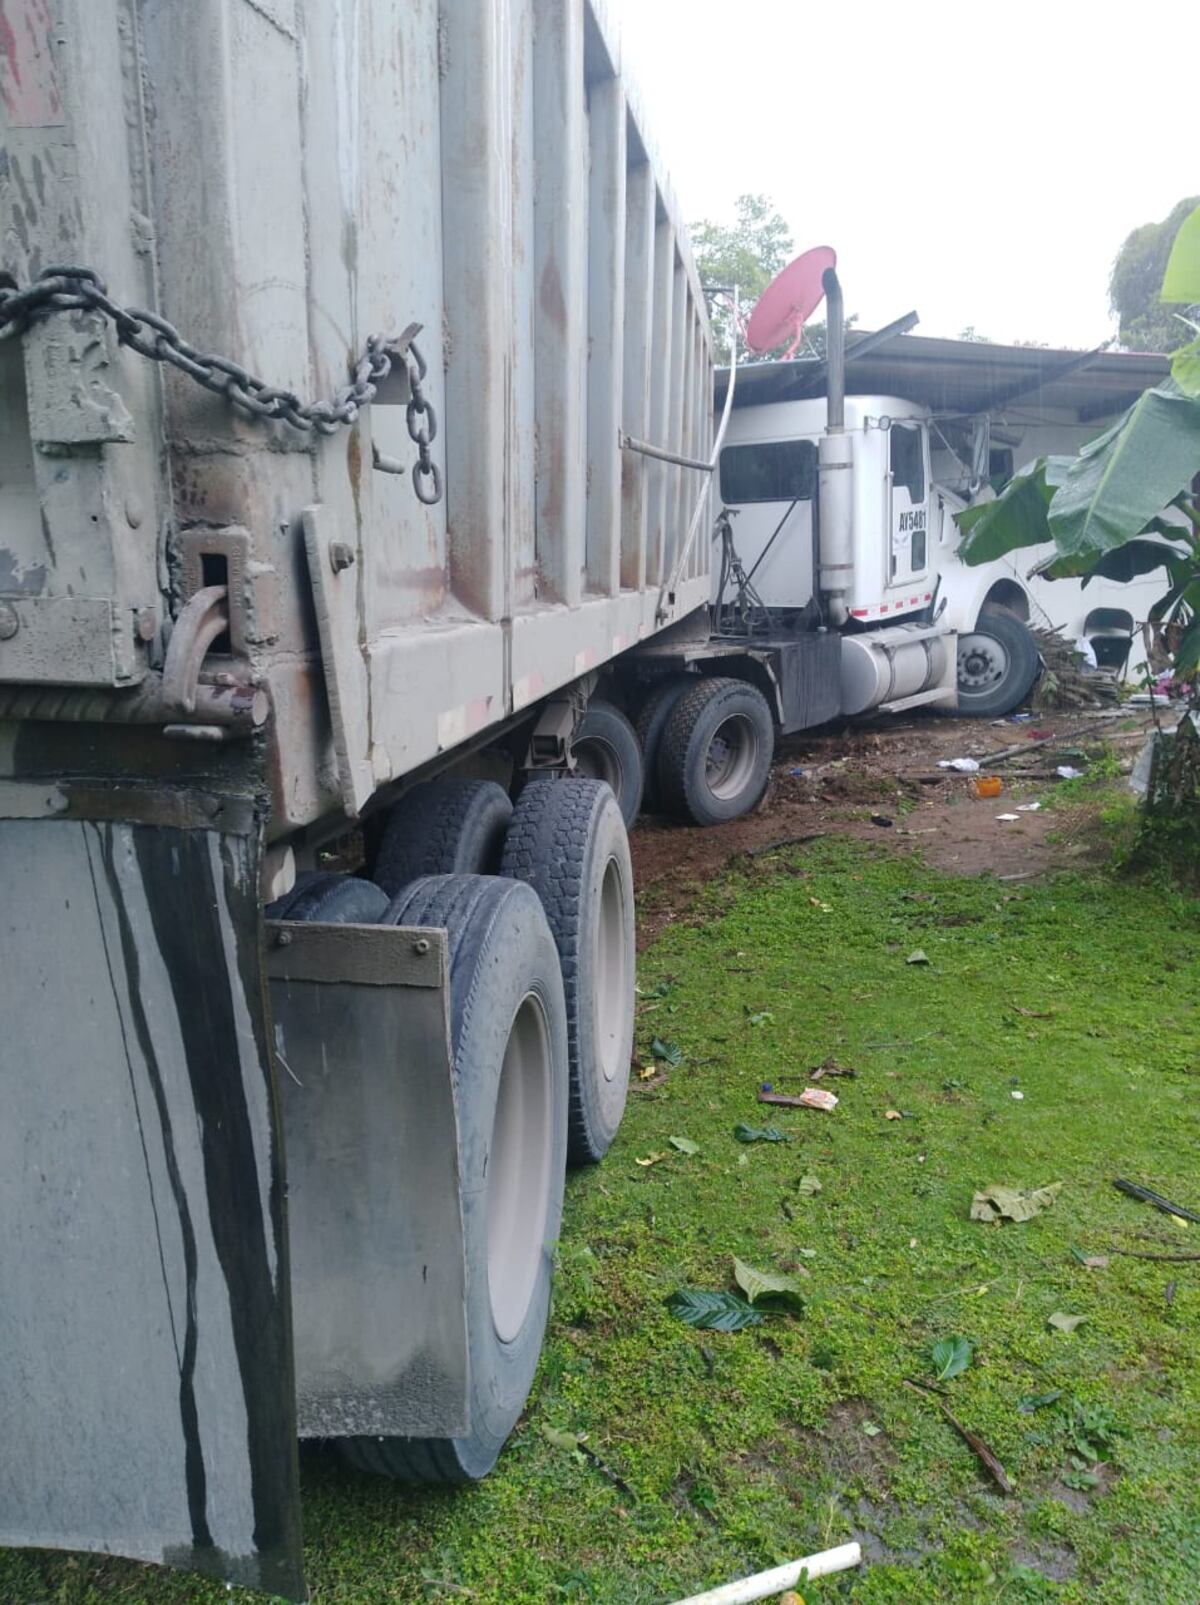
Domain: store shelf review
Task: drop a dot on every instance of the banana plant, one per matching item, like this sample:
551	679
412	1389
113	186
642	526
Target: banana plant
1103	509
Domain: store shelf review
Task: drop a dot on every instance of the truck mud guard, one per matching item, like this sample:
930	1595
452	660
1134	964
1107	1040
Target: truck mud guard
146	1374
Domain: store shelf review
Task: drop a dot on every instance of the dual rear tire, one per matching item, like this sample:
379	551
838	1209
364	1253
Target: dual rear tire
708	745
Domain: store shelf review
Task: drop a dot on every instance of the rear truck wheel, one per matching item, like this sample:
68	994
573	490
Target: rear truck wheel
714	757
331	898
444	827
606	748
568	842
650	723
508	1031
998	662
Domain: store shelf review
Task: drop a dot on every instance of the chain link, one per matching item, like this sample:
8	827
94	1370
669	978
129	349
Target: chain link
77	289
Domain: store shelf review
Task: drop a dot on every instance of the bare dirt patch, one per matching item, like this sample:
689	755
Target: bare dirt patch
882	783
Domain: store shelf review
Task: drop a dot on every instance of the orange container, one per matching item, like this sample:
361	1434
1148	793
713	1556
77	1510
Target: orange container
988	786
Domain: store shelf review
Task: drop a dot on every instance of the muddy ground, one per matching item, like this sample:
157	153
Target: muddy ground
880	780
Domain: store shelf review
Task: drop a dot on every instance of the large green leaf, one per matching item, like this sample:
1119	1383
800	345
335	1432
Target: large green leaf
1017	517
1185	367
1128	474
712	1312
1181	282
1123	563
768	1288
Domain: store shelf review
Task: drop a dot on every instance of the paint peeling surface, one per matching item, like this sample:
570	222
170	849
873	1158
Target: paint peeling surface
28	79
147	1389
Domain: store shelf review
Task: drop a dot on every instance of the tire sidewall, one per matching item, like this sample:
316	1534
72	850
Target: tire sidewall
603	1100
704	807
517	957
1021	650
611	729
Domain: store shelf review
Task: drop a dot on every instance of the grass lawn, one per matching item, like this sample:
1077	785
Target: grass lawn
740	1450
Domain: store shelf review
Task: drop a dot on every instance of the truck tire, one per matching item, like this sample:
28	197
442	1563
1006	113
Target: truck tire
568	841
998	662
508	1033
649	725
331	898
445	827
714	758
607	748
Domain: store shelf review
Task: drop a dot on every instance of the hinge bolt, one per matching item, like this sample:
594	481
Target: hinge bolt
341	556
9	622
421	946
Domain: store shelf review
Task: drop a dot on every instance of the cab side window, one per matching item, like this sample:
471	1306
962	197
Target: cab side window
908	460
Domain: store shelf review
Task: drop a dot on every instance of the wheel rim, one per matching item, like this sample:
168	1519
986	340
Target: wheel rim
610	1002
597	760
519	1169
731	758
982	663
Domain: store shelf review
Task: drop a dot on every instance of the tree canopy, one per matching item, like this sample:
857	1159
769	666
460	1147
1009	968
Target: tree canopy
748	252
1134	286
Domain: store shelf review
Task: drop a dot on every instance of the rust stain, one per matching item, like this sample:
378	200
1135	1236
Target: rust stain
354	469
550	296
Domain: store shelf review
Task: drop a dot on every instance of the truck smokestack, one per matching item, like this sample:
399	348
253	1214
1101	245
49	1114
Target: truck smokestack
836	458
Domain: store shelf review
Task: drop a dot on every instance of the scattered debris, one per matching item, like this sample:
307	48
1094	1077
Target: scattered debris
806	1187
1028	808
785	841
964	766
951	1357
1013	1203
1033	1014
918	956
745	1133
972	1439
1067	771
576	1443
1017	1094
989	786
1065	1323
667	1052
1159	1202
810	1098
684	1144
760	1018
882	821
1006	819
829	1067
1093	1262
652	1159
766	1585
892	1114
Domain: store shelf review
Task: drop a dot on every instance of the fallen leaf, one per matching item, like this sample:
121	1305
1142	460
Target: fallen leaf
807	1186
669	1052
893	1114
1013	1203
951	1356
560	1440
766	1287
811	1253
712	1312
917	956
745	1133
1029	1402
825	908
647	1072
652	1159
1065	1323
760	1018
684	1144
872	1429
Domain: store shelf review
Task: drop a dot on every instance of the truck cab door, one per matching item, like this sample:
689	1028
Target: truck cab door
908	503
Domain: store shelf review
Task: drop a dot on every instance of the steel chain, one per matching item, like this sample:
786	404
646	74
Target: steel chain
71	289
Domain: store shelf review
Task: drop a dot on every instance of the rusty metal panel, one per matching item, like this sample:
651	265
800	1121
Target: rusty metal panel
606	314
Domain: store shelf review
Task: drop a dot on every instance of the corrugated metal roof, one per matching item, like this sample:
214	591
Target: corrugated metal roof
965	376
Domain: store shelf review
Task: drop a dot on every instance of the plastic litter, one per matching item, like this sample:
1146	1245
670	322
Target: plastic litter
989	786
1068	772
965	766
1028	808
766	1585
810	1098
1006	818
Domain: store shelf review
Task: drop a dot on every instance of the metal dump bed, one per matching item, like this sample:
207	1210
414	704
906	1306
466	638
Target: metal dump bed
283	179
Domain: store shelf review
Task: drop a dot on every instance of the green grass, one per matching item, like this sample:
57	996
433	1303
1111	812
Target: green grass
743	1450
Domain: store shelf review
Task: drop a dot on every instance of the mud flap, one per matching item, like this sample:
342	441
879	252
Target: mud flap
146	1376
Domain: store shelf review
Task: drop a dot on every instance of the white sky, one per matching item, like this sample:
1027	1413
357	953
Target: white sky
978	162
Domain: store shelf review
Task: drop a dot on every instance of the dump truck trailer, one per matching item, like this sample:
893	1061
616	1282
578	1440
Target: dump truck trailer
321	324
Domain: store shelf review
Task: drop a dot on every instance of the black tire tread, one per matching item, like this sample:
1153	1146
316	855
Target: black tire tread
672	770
547	841
424	832
649	724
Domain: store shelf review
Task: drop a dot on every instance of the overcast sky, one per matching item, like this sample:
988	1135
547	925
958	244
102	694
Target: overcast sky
980	163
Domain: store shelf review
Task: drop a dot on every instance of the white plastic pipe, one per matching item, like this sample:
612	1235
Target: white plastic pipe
765	1585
